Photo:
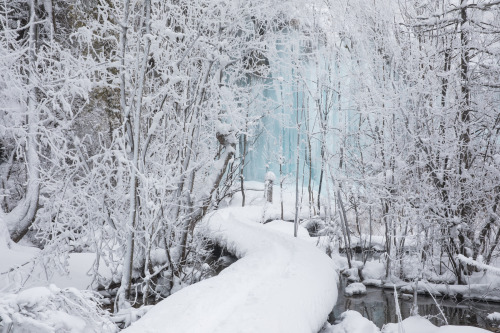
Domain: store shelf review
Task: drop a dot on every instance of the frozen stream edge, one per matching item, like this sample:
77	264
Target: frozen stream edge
279	284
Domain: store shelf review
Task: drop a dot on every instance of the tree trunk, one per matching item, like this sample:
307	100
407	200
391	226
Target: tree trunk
19	220
124	292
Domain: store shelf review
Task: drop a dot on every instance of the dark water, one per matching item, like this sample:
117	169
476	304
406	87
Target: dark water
378	306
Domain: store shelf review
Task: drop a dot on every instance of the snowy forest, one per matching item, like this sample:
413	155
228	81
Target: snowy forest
320	166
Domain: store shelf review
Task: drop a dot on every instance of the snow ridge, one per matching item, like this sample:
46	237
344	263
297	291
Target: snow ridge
279	284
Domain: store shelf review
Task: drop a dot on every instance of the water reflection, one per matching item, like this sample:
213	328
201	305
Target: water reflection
378	306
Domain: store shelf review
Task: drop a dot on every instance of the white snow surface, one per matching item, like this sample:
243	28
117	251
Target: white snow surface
419	324
51	309
20	269
270	176
287	228
356	288
495	316
279	284
354	322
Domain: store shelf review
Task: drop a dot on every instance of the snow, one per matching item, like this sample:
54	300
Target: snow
254	195
270	176
373	269
158	257
35	297
287	228
80	272
279	284
477	291
483	285
378	241
478	265
417	324
21	268
495	316
353	322
50	309
356	288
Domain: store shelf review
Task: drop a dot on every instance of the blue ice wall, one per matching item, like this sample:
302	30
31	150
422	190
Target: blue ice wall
303	85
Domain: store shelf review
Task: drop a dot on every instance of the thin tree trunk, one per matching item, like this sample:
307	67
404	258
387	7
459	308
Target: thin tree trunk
345	228
296	220
242	178
133	213
19	220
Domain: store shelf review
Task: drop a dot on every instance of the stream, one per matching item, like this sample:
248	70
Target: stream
379	307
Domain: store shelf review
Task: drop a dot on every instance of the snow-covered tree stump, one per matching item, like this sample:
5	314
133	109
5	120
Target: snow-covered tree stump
268	193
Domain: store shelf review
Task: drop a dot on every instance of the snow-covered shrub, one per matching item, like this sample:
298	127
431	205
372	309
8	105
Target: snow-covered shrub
50	309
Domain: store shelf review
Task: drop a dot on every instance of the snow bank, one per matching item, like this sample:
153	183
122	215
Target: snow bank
354	322
418	324
476	291
279	284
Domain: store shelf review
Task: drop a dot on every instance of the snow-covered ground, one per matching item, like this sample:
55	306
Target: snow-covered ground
34	298
353	322
418	324
51	309
279	284
21	267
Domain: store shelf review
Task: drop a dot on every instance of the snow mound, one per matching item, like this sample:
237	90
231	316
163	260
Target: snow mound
50	309
353	322
495	316
355	289
270	176
417	324
279	284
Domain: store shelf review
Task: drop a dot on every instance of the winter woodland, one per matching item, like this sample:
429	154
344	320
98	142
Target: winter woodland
242	165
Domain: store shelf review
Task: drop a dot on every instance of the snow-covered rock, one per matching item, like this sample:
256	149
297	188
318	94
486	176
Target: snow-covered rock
356	288
495	316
